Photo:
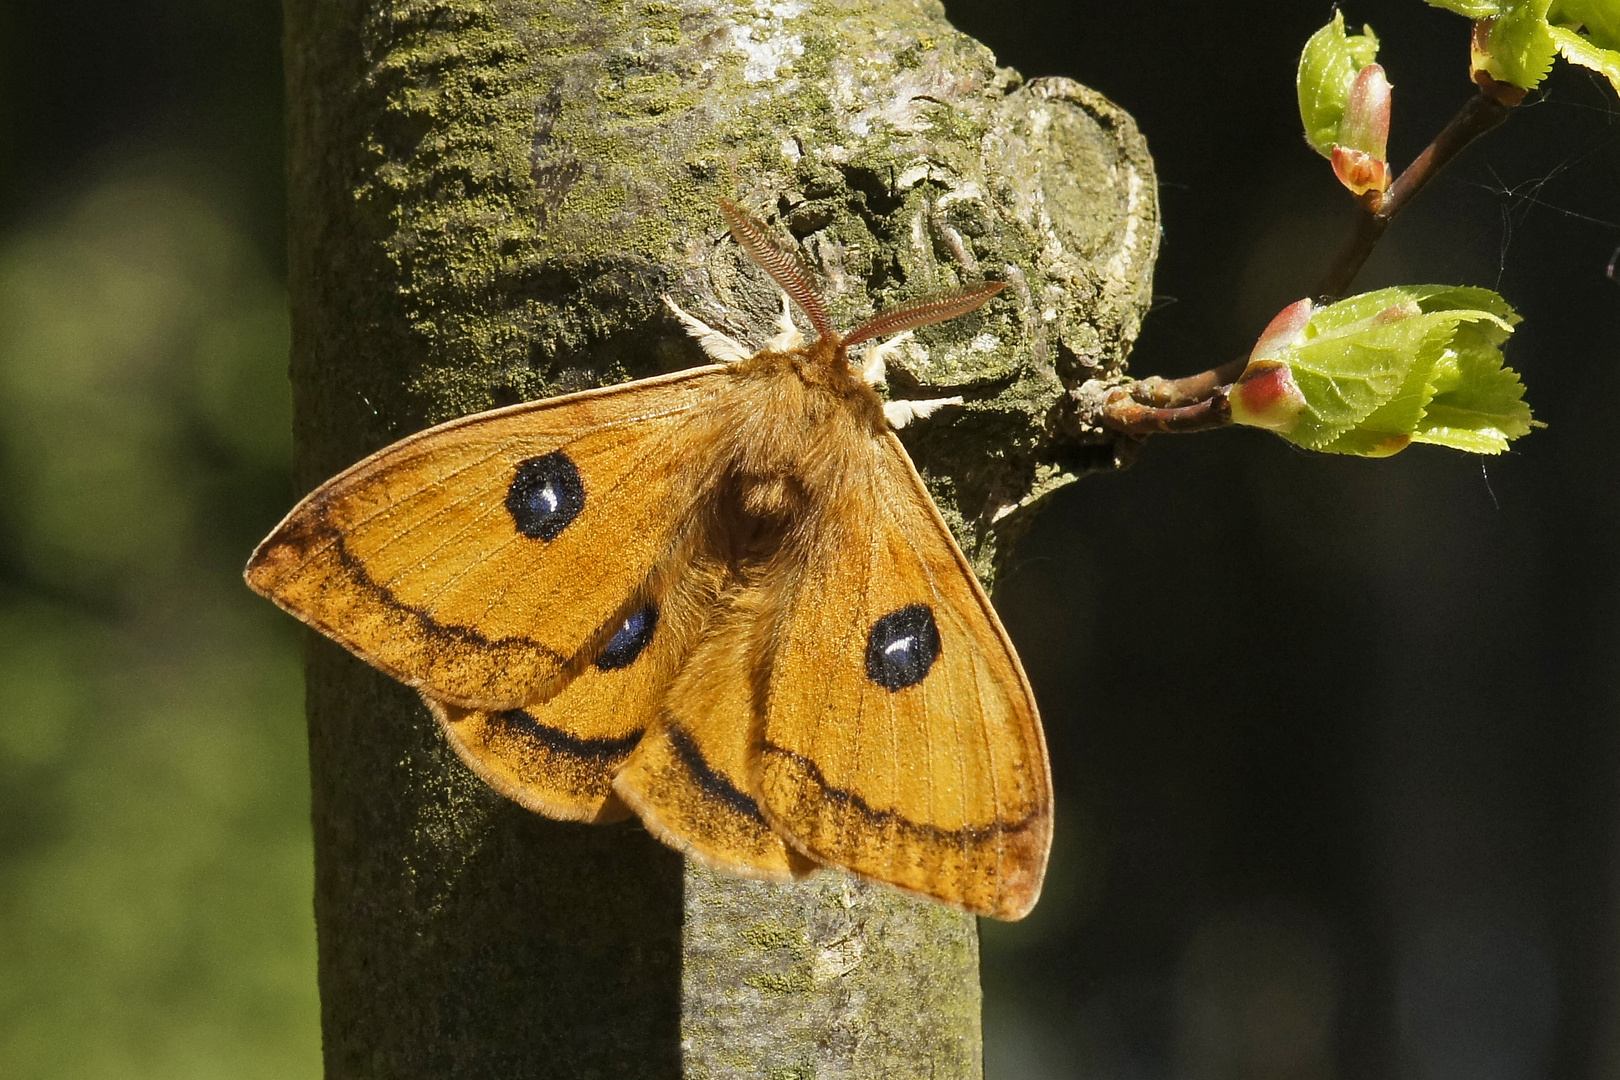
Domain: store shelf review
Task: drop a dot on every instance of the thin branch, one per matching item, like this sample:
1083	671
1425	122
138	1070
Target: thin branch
1124	414
1482	112
1157	404
1175	393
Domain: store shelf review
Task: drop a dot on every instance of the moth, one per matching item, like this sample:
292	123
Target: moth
720	599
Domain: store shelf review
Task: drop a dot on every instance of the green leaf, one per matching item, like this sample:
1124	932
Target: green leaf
1580	50
1327	68
1600	19
1429	298
1527	35
1479	404
1473	9
1366	373
1388	428
1415	363
1522	46
1470	299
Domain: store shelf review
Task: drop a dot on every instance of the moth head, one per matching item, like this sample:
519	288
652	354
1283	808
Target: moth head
789	272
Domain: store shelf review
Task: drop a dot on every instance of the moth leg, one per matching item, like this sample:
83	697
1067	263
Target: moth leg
787	336
719	347
875	368
901	413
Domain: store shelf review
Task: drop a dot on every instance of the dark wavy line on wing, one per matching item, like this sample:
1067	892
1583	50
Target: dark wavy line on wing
710	781
974	833
603	751
304	538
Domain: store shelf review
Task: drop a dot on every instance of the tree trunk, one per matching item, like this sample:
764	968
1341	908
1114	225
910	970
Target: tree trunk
488	198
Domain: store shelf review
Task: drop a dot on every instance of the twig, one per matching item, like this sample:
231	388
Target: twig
1124	414
1189	390
1482	112
1198	402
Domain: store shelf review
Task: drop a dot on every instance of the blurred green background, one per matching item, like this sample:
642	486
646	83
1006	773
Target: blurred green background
1335	741
155	867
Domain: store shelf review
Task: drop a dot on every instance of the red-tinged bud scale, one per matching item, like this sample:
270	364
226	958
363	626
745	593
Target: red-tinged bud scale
1283	330
1366	113
1360	172
1266	396
1359	153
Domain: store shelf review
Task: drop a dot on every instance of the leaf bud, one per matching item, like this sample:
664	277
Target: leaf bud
1266	395
1358	156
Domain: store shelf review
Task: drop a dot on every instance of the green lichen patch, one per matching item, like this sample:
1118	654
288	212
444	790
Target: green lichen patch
770	934
795	980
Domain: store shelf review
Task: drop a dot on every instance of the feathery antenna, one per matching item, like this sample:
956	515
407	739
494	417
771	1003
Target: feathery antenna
933	308
784	266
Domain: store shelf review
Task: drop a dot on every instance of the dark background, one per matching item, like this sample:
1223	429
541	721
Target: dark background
1334	740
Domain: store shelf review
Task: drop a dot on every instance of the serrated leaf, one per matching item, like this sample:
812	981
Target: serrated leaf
1471	440
1365	442
1388	428
1429	298
1598	19
1339	395
1349	374
1466	300
1579	50
1413	363
1522	46
1480	407
1473	9
1327	68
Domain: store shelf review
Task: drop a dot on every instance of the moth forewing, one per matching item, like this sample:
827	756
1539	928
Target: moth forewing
473	560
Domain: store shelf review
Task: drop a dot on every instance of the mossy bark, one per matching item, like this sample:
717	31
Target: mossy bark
488	198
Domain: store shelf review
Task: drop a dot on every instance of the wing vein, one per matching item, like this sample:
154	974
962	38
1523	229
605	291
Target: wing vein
424	452
427	603
653	446
982	727
351	528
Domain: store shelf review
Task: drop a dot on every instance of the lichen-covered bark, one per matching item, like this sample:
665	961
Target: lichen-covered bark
488	197
831	977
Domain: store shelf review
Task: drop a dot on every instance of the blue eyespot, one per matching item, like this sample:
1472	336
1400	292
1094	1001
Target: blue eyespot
902	647
546	496
629	640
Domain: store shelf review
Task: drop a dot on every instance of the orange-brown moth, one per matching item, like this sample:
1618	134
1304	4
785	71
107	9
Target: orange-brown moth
721	599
